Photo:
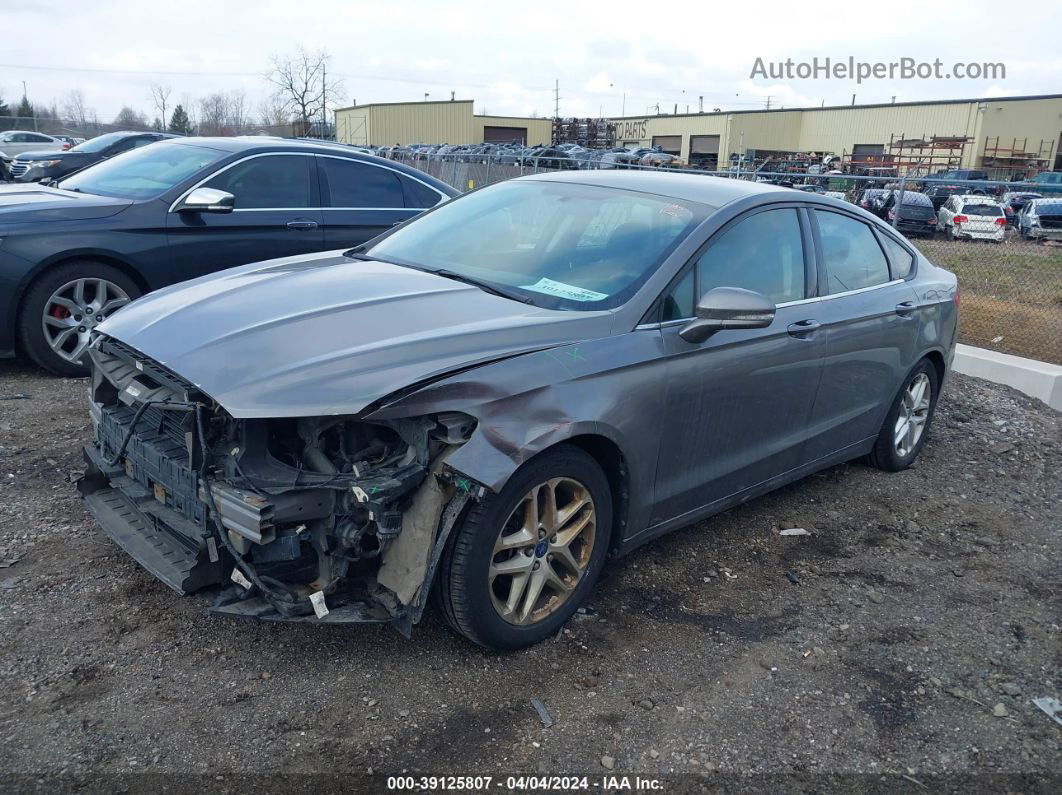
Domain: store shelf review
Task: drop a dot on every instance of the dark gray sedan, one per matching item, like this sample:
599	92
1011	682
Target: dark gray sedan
489	400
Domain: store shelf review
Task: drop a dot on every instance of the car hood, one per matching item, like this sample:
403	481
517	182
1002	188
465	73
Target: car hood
327	334
42	154
35	202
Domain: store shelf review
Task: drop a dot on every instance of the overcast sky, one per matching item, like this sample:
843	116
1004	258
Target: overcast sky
507	55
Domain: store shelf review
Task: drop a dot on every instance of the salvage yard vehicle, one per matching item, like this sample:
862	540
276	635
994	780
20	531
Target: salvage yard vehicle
486	402
972	217
177	209
1013	201
916	214
1041	219
38	165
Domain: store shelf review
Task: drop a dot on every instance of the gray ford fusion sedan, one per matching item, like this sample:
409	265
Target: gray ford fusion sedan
486	402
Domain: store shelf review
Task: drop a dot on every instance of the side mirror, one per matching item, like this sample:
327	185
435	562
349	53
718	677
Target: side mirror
207	200
728	308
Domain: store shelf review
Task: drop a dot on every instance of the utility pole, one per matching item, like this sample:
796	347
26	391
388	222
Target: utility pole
324	97
556	99
700	104
768	102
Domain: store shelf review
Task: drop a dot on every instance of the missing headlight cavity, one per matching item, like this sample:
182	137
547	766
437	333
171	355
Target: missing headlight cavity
276	511
317	504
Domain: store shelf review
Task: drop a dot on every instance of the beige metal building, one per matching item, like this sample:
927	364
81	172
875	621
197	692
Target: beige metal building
1002	134
453	122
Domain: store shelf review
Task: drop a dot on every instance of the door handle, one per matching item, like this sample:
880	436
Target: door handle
302	225
804	328
906	308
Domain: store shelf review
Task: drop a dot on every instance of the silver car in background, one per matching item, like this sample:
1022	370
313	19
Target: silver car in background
489	400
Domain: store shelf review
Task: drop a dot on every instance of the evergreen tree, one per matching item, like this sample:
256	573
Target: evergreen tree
179	122
24	111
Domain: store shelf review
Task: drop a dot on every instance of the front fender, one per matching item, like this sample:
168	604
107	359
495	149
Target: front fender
610	387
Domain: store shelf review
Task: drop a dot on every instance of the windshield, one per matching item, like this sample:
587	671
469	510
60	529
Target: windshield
143	173
99	143
562	245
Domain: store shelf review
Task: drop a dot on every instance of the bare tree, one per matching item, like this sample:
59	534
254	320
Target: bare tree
75	109
303	85
223	113
160	96
273	112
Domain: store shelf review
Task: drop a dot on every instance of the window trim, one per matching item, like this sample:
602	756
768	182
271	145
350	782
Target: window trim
823	291
313	183
396	171
807	246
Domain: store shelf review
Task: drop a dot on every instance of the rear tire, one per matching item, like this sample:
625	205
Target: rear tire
475	589
906	426
51	309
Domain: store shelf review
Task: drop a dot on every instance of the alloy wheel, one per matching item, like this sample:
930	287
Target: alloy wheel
914	412
542	551
75	309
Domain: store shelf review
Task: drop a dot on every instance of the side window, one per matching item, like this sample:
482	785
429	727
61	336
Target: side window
262	183
900	258
853	257
680	303
419	195
354	184
763	252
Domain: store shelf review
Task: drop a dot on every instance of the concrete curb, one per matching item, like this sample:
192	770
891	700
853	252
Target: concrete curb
1036	379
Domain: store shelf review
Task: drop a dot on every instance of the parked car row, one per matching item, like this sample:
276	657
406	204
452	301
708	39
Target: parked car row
563	156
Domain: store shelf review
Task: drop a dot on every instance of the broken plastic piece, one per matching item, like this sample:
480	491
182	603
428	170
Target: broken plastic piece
794	531
543	713
317	599
212	550
239	578
1052	707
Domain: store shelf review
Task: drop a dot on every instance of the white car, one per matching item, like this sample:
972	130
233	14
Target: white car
15	142
972	217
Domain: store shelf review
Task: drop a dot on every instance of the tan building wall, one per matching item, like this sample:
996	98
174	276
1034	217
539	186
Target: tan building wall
428	123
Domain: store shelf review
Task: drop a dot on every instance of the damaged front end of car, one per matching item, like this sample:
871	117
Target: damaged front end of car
333	519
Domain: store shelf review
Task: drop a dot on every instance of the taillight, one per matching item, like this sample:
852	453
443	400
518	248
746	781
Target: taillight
959	219
1001	222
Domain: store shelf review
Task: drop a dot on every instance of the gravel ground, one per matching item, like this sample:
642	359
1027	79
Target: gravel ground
898	644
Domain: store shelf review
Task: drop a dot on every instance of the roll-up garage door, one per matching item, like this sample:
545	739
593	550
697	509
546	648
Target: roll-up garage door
704	150
672	144
503	135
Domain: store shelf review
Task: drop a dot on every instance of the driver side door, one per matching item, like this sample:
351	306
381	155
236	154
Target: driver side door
738	404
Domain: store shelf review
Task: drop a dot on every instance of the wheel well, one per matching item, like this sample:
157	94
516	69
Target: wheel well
610	458
937	360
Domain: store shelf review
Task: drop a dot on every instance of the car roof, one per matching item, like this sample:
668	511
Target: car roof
713	191
242	143
976	197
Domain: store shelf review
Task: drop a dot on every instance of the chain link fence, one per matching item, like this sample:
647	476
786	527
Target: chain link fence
1010	282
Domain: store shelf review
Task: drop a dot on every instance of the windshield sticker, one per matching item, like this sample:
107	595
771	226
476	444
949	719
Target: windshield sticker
562	290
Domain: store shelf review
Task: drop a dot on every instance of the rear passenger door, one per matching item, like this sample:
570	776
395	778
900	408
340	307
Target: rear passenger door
870	317
362	200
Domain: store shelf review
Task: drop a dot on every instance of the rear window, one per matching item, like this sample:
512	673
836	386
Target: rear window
986	210
917	200
1049	209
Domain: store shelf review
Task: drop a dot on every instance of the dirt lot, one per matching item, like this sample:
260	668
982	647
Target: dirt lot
898	645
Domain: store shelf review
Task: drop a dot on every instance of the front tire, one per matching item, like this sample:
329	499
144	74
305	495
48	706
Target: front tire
63	306
521	562
906	426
